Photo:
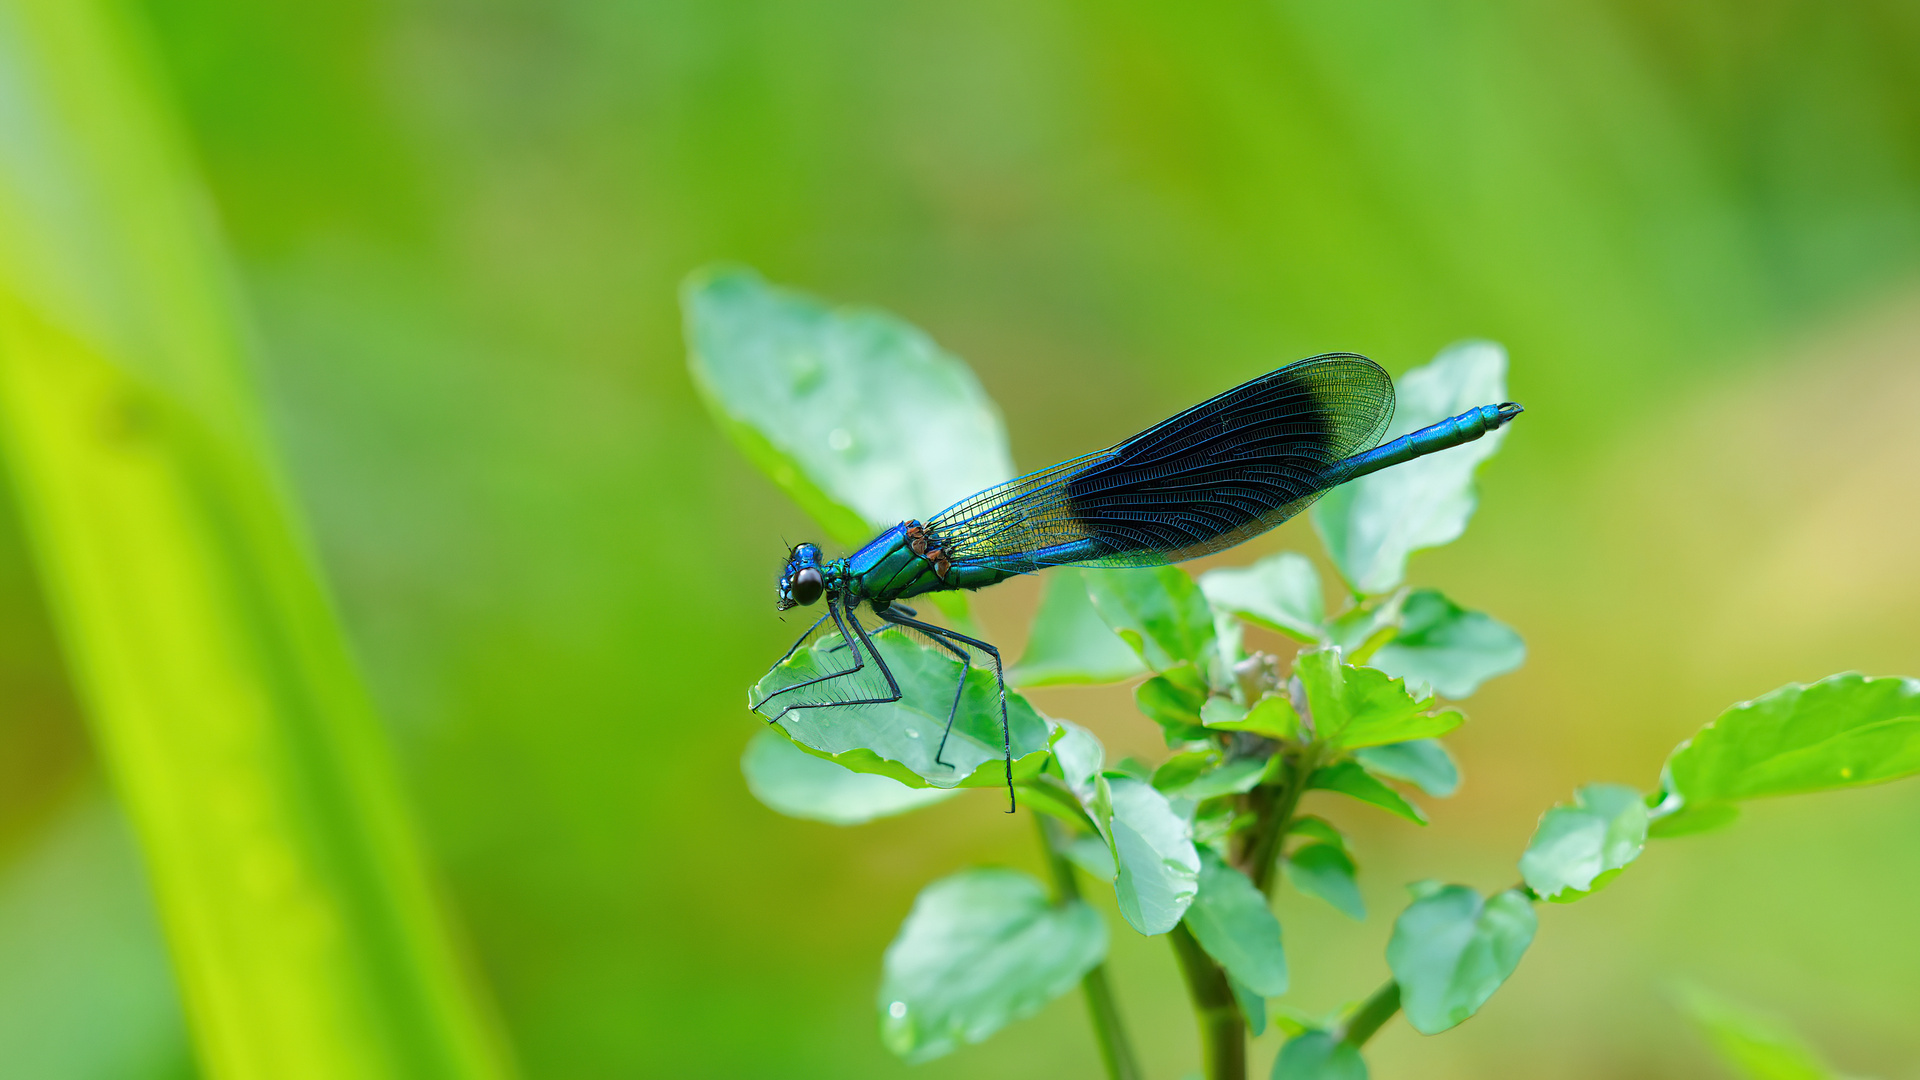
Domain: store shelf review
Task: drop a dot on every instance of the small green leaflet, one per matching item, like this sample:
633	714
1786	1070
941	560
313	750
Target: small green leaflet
1578	849
1357	706
1348	778
1451	950
1317	1055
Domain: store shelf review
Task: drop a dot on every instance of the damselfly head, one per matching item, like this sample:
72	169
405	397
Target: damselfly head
801	583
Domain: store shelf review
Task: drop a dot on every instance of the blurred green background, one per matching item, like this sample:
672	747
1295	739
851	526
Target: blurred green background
457	227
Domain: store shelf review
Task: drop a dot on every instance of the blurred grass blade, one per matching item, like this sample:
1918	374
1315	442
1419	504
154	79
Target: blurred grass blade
85	993
1754	1045
220	690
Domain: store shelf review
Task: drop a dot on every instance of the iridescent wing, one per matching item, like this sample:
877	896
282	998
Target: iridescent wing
1217	475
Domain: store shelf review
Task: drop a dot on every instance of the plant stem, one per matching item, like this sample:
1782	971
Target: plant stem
1262	861
1372	1013
1223	1031
1109	1031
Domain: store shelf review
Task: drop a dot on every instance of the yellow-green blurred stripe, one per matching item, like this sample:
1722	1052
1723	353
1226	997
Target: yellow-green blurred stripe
222	695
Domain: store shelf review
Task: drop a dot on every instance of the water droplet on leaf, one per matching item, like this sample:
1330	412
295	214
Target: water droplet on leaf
897	1010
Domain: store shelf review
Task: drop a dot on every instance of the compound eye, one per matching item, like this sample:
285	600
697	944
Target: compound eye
807	586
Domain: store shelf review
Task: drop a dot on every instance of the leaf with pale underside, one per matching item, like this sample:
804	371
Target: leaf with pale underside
1451	950
1448	647
1373	524
1280	592
979	950
857	415
802	785
1152	845
1578	849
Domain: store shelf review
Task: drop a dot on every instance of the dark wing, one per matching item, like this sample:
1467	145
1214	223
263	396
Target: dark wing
1219	474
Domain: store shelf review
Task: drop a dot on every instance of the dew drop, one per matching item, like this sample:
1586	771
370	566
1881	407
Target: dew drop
840	439
912	734
897	1010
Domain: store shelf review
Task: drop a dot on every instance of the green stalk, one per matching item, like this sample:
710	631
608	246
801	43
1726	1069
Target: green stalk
1275	809
1223	1031
222	696
1109	1031
1371	1015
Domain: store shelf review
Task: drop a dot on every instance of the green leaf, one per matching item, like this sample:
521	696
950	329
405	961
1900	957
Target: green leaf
1843	731
1091	853
1753	1044
1204	774
1271	716
1451	950
1159	869
1327	872
980	949
1354	706
1423	763
1068	643
1158	611
1686	820
1578	849
798	784
857	415
899	739
1317	1055
1371	525
1231	920
1348	778
1280	592
1079	756
1174	701
1229	778
1365	627
303	925
1253	1007
1317	829
1448	647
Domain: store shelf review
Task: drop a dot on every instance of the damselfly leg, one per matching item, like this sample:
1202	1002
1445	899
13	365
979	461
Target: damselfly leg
859	664
945	636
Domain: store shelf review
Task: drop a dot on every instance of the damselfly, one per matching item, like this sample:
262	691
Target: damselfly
1216	475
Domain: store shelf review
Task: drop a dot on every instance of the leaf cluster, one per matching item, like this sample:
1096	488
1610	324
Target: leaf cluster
1194	846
